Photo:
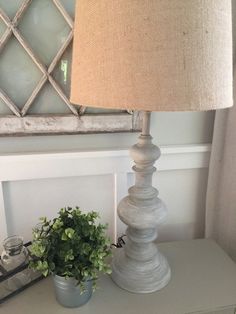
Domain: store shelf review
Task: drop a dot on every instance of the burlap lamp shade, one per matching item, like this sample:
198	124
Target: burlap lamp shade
150	55
157	55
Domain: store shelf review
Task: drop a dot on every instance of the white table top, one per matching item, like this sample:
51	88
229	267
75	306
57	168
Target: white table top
203	279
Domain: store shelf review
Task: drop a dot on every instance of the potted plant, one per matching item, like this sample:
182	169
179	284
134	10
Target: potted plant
73	248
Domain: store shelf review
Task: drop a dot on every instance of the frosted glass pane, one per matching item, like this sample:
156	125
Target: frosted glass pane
62	72
69	5
44	28
48	101
19	75
10	6
2	28
4	109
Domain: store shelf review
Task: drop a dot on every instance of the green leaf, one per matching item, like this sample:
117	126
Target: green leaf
70	232
64	237
45	272
37	249
43	219
69	256
109	271
57	224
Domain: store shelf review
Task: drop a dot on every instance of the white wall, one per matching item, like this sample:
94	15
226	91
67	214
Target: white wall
34	185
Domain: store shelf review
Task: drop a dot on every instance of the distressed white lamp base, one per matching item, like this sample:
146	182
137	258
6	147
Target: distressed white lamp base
139	267
138	277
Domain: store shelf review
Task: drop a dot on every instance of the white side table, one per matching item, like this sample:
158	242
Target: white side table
203	281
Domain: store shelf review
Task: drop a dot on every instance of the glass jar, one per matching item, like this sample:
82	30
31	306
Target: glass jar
14	253
13	256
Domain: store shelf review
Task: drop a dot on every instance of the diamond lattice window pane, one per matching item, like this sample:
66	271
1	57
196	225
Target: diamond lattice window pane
10	7
48	101
4	109
44	28
19	74
69	5
62	72
2	28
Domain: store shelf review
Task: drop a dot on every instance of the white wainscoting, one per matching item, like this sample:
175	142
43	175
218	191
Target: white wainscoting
37	184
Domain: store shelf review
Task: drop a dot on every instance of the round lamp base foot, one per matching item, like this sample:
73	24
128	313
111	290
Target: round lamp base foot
138	276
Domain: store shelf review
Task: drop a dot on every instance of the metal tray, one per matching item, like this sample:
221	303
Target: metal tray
5	275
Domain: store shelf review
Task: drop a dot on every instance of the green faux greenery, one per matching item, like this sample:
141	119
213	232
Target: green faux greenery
71	245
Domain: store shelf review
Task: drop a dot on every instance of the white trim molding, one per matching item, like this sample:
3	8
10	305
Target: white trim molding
32	166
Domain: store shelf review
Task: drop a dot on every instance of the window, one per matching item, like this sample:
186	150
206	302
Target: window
35	64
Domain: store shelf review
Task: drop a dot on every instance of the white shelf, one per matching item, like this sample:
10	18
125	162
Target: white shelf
203	281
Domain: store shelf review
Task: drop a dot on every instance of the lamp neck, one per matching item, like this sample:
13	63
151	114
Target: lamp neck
146	123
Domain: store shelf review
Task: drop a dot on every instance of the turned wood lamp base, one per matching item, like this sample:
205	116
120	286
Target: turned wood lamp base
139	267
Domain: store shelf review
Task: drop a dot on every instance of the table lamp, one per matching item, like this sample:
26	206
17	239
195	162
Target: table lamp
150	55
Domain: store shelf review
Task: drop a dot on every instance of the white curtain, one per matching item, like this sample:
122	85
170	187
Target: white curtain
221	193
